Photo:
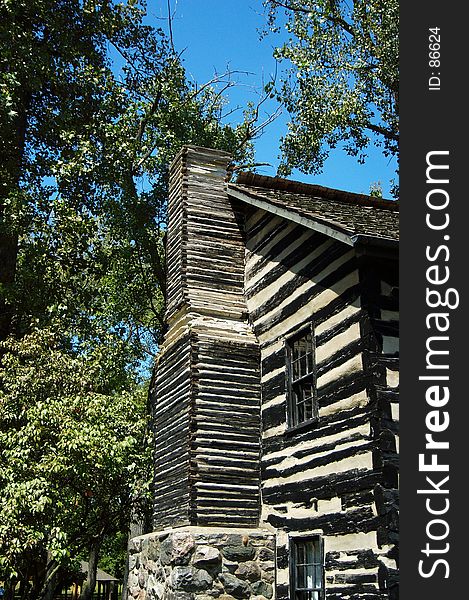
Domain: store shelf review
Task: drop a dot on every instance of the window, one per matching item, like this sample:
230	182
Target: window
307	574
301	372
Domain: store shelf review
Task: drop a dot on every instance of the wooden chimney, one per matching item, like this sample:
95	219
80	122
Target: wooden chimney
207	392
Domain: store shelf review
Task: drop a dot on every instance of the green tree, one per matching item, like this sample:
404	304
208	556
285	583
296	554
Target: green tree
114	555
343	83
94	104
74	462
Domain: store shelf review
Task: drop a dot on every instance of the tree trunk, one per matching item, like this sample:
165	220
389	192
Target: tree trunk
8	255
24	591
11	161
51	580
10	589
90	583
126	578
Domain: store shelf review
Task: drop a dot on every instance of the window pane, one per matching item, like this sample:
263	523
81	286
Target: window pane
302	346
310	576
304	364
307	595
300	412
318	575
308	408
308	569
295	352
310	552
300	553
302	401
301	581
309	400
302	356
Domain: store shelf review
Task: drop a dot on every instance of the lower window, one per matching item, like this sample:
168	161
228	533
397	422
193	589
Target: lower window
307	572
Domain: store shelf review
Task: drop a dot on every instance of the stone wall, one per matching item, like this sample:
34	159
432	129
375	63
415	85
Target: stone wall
195	563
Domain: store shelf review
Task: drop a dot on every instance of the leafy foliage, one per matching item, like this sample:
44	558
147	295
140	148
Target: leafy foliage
94	104
342	86
114	555
74	460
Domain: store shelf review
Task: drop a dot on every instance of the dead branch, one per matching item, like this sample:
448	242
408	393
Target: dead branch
170	25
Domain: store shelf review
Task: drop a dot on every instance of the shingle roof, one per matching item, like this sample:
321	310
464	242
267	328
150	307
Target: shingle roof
351	214
101	576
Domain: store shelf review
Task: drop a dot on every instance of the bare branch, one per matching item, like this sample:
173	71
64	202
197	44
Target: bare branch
170	25
230	112
235	168
254	131
219	79
217	96
270	119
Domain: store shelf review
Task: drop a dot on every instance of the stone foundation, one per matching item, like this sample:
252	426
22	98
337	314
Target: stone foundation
202	563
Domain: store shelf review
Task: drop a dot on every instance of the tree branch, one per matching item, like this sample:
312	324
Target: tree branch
335	19
389	135
218	79
170	25
141	130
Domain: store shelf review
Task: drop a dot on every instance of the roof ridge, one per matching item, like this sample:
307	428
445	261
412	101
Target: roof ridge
287	185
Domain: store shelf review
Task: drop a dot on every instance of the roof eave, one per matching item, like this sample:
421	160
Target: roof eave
363	243
315	224
372	245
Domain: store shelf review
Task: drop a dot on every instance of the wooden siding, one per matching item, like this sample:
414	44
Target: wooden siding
241	280
319	478
175	276
207	399
380	296
171	419
205	252
225	439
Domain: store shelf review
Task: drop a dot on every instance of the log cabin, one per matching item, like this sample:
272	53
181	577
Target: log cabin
275	401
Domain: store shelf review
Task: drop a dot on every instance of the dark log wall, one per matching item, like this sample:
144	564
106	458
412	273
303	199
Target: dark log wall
321	478
171	420
386	459
207	393
380	298
225	438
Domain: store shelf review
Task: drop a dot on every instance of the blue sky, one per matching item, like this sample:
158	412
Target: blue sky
217	34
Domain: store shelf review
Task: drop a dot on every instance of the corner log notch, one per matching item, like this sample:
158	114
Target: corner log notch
207	389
